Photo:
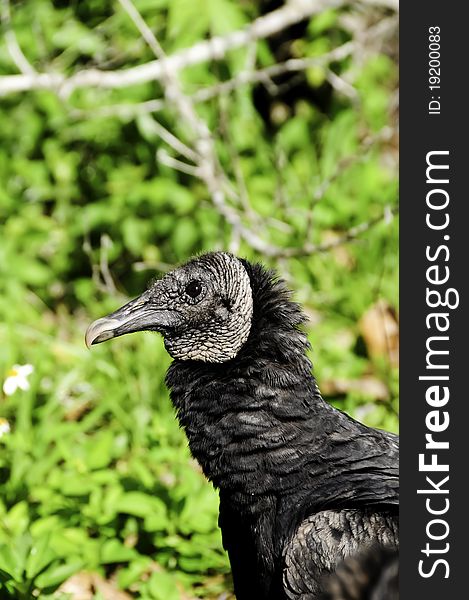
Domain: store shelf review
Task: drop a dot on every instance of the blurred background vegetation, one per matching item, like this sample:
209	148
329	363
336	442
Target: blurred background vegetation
279	145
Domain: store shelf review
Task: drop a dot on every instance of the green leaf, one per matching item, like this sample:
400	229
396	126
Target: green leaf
9	563
114	551
140	505
40	556
100	449
163	587
131	574
17	519
57	573
188	21
322	22
184	237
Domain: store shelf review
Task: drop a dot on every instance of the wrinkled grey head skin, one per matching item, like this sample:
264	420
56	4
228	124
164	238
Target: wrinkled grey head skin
203	309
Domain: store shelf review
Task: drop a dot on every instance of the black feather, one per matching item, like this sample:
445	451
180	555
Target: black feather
302	485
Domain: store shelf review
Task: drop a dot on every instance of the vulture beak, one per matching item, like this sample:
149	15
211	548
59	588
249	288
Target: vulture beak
142	314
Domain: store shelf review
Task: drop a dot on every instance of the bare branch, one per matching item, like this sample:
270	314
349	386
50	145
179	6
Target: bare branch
101	274
342	86
207	166
145	31
178	165
370	141
351	234
13	47
171	139
123	110
152	266
213	49
209	170
245	77
106	245
200	148
390	4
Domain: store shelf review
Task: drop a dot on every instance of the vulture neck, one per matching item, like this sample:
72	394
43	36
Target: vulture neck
254	423
249	420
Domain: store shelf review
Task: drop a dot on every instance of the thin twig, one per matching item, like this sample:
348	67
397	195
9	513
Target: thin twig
215	48
342	86
245	77
351	234
106	244
344	163
13	47
173	163
172	140
152	266
208	167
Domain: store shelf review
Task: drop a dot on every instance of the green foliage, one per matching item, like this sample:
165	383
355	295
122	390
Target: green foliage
95	474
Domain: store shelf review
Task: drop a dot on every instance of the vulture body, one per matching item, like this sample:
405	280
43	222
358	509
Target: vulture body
302	485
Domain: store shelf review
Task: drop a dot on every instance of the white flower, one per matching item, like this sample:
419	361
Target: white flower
4	427
17	377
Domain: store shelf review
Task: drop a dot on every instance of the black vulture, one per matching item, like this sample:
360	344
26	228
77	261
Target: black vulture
302	485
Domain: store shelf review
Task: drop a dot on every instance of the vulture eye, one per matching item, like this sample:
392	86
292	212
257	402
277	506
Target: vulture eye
193	288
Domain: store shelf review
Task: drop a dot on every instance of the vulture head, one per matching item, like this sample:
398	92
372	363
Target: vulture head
203	309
